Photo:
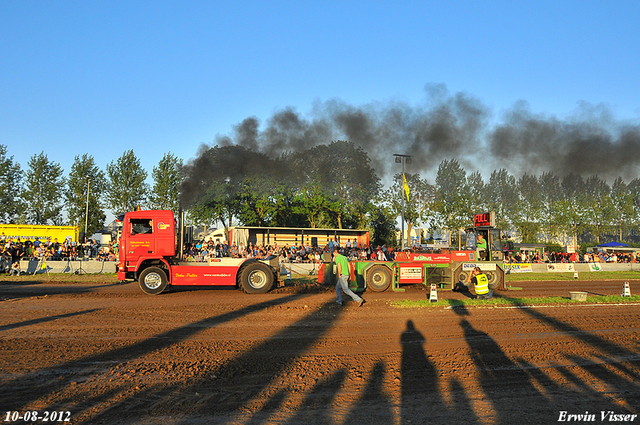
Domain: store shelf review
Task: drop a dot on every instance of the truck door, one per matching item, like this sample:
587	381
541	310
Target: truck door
495	242
140	239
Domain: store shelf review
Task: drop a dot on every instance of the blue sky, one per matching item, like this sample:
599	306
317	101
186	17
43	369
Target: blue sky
103	77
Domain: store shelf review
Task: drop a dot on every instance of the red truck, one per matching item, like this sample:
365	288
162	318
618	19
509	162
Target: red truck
148	255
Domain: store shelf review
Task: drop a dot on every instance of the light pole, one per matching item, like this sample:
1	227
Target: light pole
402	159
86	213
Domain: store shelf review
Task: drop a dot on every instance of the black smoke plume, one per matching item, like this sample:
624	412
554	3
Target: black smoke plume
446	126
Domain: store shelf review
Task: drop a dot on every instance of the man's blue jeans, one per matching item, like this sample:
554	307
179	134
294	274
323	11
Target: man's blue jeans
343	285
486	296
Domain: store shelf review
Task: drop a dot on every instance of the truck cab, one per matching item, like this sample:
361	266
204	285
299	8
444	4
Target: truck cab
147	236
484	224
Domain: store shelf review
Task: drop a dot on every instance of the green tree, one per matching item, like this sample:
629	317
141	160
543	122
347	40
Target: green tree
528	213
43	191
634	191
201	215
11	204
598	207
126	188
550	205
258	200
383	226
572	205
420	205
502	197
85	176
266	198
342	174
283	213
311	202
622	199
167	178
451	196
477	199
213	183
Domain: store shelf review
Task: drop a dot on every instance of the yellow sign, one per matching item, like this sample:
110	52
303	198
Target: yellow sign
43	233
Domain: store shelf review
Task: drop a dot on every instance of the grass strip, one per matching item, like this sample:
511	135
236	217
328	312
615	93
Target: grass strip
524	277
501	301
61	278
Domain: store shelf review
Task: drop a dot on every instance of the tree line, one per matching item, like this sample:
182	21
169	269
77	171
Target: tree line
42	194
327	186
536	208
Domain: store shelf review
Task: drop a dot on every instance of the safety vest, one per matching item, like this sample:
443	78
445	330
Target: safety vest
482	284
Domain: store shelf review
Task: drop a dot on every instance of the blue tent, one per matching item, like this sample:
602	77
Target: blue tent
612	245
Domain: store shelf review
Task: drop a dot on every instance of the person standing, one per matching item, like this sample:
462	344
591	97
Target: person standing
481	247
480	284
343	278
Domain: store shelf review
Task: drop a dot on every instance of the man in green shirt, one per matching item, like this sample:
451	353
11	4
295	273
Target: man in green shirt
481	247
343	278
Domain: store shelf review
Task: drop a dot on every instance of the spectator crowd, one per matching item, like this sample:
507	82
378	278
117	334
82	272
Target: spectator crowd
12	250
302	253
566	257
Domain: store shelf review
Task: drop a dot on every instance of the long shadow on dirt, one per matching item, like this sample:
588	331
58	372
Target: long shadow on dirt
421	396
23	390
504	380
609	349
264	369
45	319
373	405
20	289
263	373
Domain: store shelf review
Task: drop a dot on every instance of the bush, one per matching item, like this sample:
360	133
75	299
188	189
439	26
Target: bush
554	247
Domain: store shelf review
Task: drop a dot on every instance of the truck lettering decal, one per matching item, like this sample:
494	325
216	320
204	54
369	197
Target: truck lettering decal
135	244
422	258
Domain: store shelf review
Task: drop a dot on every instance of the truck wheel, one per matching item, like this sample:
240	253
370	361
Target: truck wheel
461	278
378	278
494	279
152	280
256	278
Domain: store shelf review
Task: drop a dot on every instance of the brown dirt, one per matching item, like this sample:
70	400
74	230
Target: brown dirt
110	354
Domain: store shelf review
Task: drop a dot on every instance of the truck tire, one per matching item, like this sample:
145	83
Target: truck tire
256	278
494	279
152	280
460	278
378	278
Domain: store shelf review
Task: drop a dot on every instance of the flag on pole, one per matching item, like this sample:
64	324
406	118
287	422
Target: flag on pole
406	186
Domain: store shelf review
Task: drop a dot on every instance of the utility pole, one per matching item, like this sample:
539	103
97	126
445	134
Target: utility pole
86	213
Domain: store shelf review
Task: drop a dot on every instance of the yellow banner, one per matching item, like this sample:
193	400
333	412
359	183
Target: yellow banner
43	233
518	268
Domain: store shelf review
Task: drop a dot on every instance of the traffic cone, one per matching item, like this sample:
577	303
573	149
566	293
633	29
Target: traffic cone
575	275
433	297
626	290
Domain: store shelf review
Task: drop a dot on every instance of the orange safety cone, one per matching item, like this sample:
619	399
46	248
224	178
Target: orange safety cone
626	290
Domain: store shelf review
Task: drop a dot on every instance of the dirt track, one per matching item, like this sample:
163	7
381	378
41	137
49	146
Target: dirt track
109	354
